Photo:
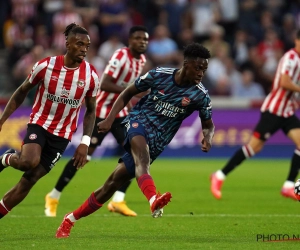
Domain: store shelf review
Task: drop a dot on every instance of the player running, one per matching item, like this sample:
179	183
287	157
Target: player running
150	126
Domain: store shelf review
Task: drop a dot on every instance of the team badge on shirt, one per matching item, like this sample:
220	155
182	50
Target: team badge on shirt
185	101
162	92
135	125
80	84
32	136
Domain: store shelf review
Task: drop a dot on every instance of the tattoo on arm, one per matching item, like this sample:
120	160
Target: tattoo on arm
208	130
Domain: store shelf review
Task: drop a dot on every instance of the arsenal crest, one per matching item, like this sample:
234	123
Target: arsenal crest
135	125
80	84
185	101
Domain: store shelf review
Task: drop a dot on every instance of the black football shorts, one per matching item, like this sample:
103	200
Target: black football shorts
52	146
270	123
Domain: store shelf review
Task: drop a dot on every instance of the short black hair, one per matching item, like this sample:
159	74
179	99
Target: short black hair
194	50
137	28
74	29
298	34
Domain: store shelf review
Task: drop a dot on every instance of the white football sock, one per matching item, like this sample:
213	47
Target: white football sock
118	196
288	184
71	217
152	199
4	159
55	194
220	175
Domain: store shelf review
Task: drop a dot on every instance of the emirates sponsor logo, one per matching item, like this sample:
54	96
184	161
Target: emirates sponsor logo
135	125
185	101
32	136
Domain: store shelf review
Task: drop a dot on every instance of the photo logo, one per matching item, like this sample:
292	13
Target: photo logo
276	237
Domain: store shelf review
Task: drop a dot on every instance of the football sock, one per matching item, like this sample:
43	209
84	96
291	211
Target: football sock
288	184
240	155
66	176
55	194
220	175
88	207
147	186
5	161
118	196
3	209
295	165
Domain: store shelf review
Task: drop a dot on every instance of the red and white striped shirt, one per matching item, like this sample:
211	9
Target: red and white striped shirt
124	68
60	94
280	101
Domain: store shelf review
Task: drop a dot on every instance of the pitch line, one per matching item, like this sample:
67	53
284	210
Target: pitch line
174	215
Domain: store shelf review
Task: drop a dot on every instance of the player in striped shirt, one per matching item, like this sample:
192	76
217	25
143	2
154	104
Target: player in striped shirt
125	65
277	112
64	83
150	126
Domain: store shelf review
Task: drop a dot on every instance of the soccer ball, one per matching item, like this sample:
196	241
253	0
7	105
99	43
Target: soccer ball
297	189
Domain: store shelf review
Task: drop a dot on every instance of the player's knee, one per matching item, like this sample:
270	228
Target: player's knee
28	163
32	176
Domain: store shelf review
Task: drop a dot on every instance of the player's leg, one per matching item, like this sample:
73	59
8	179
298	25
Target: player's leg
267	125
53	197
30	154
5	158
15	195
292	130
119	176
137	144
68	173
118	204
140	153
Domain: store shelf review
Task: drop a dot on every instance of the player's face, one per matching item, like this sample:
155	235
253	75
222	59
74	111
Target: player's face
77	46
195	69
138	41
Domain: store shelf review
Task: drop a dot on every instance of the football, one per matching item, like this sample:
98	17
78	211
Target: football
297	189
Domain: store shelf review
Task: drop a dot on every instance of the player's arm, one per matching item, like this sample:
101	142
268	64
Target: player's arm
80	155
208	130
287	83
107	84
119	104
16	100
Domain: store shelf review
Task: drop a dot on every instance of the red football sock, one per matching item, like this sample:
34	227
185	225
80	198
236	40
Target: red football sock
3	209
147	186
88	207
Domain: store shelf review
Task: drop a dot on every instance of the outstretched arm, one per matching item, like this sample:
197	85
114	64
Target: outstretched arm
80	155
119	104
16	100
208	129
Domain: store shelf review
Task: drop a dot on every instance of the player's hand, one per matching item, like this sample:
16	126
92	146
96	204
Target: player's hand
104	126
80	156
206	146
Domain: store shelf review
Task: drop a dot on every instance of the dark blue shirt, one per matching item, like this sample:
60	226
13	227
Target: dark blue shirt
162	111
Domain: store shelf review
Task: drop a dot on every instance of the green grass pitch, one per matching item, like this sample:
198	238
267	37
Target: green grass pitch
251	207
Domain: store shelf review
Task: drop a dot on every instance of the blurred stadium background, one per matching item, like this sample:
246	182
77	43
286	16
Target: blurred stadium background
246	39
